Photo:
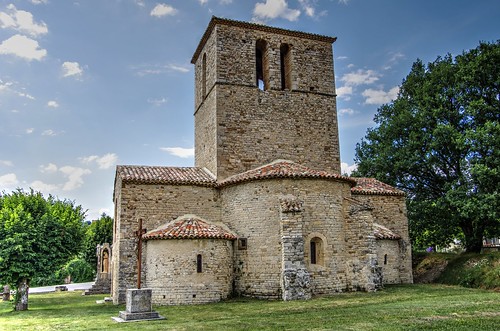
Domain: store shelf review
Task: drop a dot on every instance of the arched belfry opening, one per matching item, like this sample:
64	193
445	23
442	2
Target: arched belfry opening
261	66
285	67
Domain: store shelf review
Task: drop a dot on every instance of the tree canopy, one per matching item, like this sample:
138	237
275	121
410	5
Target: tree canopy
97	233
37	236
439	141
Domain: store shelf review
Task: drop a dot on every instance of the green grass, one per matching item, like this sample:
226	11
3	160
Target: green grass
409	307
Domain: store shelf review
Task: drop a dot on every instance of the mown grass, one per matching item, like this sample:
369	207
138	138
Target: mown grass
408	307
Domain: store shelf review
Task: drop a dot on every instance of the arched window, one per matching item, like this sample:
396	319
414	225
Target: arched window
204	76
316	251
261	64
286	67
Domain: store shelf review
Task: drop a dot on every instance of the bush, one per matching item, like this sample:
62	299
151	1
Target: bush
79	270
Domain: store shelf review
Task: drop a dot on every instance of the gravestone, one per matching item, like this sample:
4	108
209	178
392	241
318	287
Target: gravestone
6	293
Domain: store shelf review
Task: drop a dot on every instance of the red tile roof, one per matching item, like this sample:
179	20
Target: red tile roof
381	232
189	227
371	186
282	169
165	175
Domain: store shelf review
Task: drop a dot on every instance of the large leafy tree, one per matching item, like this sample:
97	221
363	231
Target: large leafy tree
439	141
37	236
97	233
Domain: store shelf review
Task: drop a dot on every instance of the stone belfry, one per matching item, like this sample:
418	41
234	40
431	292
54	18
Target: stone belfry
262	94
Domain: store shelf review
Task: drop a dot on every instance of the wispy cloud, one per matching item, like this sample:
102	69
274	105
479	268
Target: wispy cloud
157	102
179	151
154	69
74	177
21	21
52	104
347	169
379	97
163	9
273	9
8	180
72	69
48	169
49	132
360	77
104	162
39	2
347	111
6	163
344	92
23	47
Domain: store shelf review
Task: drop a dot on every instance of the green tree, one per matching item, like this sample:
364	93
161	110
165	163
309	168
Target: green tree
37	237
439	141
97	233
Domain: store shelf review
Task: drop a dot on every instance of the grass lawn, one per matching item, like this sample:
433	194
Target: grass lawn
408	307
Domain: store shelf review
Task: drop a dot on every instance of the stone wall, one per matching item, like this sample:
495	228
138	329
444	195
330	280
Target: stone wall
389	260
254	127
155	204
252	210
390	211
173	276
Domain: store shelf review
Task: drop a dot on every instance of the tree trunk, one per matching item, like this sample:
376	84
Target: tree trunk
22	294
473	238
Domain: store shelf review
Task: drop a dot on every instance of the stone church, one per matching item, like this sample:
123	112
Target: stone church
264	212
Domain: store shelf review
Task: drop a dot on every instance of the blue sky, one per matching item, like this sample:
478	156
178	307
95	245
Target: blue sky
89	84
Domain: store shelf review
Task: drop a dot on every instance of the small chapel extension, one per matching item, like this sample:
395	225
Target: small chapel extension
264	212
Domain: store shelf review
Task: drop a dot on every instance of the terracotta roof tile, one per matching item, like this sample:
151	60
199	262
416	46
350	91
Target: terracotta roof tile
165	175
381	232
189	227
371	186
282	169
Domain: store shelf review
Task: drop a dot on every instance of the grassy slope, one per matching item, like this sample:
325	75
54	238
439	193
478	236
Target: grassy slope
469	270
409	307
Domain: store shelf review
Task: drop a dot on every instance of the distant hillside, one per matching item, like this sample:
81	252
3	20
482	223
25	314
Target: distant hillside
468	270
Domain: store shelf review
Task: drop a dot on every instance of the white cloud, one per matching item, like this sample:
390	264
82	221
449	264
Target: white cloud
275	8
140	3
225	2
40	186
23	47
49	133
74	176
308	7
104	162
157	102
30	130
344	92
344	2
162	9
347	169
21	21
48	169
52	104
360	77
202	2
179	151
144	70
6	163
342	57
39	2
347	111
8	180
379	97
72	69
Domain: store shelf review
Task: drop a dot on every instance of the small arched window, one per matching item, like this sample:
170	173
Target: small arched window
261	64
286	67
316	251
204	76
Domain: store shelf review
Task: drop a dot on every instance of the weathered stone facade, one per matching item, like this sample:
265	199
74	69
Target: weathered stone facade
264	213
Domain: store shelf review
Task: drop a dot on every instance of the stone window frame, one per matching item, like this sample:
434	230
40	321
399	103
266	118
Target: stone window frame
204	76
321	251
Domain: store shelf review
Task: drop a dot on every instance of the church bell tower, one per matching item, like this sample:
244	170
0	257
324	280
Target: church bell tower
262	94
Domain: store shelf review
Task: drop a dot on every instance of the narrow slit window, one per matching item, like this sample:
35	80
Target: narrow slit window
285	61
204	76
314	259
199	263
385	259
